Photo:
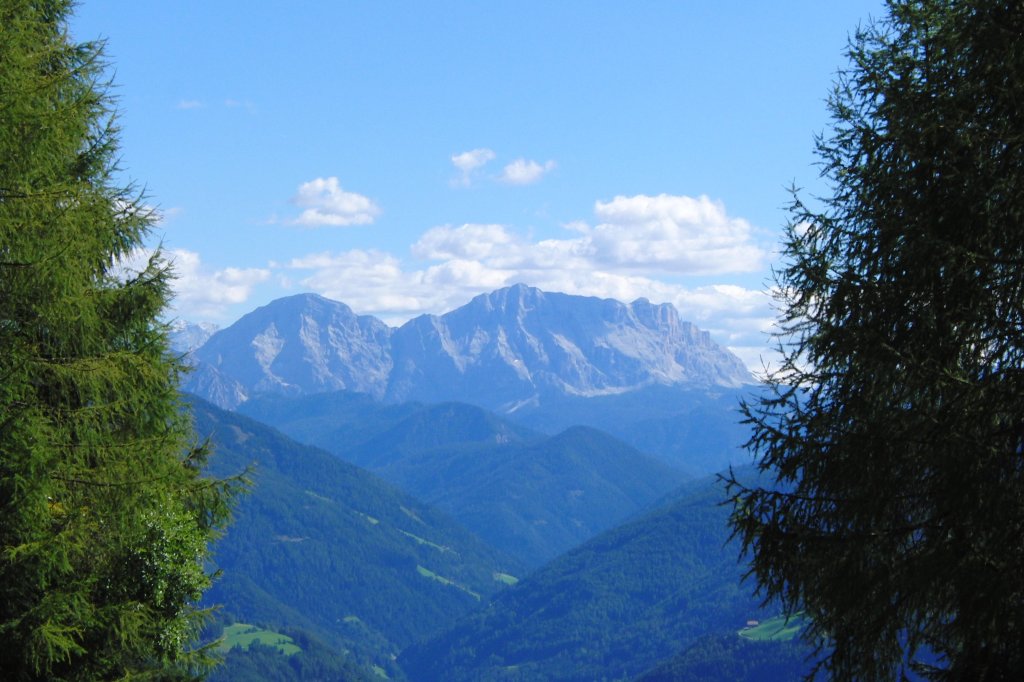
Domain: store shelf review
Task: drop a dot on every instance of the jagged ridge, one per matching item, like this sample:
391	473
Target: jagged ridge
501	350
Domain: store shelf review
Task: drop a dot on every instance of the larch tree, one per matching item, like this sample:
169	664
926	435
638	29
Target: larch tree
105	519
893	431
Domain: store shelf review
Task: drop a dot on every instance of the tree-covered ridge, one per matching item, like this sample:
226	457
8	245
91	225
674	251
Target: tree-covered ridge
527	494
537	500
323	546
105	522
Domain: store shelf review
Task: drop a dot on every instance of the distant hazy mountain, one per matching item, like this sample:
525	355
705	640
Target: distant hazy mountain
187	336
530	495
503	350
534	500
697	428
436	428
509	347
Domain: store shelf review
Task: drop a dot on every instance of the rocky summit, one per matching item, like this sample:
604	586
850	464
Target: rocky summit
501	350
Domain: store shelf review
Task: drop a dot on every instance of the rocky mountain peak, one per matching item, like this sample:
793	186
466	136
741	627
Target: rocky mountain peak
499	350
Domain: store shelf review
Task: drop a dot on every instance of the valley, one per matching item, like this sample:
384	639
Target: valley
550	536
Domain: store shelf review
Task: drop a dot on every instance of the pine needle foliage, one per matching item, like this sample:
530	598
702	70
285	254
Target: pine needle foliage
105	522
895	426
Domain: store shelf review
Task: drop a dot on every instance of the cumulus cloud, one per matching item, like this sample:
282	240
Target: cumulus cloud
524	172
673	233
190	104
467	241
468	162
473	159
199	293
203	293
324	202
375	282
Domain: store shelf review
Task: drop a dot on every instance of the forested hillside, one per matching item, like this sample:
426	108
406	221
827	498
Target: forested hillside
324	546
530	495
610	609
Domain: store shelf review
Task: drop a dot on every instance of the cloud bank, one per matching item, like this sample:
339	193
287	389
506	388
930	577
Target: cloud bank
200	291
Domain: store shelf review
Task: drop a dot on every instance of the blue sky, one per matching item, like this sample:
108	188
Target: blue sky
403	157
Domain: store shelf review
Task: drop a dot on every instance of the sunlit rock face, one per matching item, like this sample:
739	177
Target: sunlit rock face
301	344
513	344
501	350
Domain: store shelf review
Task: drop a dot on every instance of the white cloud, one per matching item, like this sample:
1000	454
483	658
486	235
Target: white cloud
467	241
524	172
677	234
577	226
473	159
375	282
190	104
200	293
324	202
467	162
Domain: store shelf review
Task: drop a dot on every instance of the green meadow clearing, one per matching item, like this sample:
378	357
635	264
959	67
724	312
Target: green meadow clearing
243	636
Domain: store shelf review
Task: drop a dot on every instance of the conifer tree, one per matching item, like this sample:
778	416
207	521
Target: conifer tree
894	429
105	521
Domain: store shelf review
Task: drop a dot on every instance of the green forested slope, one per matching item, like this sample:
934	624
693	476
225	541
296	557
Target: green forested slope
730	658
611	609
323	545
536	500
337	422
530	495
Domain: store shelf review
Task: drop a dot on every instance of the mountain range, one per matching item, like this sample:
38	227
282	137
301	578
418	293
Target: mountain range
506	350
507	491
526	493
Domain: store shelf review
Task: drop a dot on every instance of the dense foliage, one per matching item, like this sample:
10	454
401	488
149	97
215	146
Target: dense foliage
104	521
895	427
